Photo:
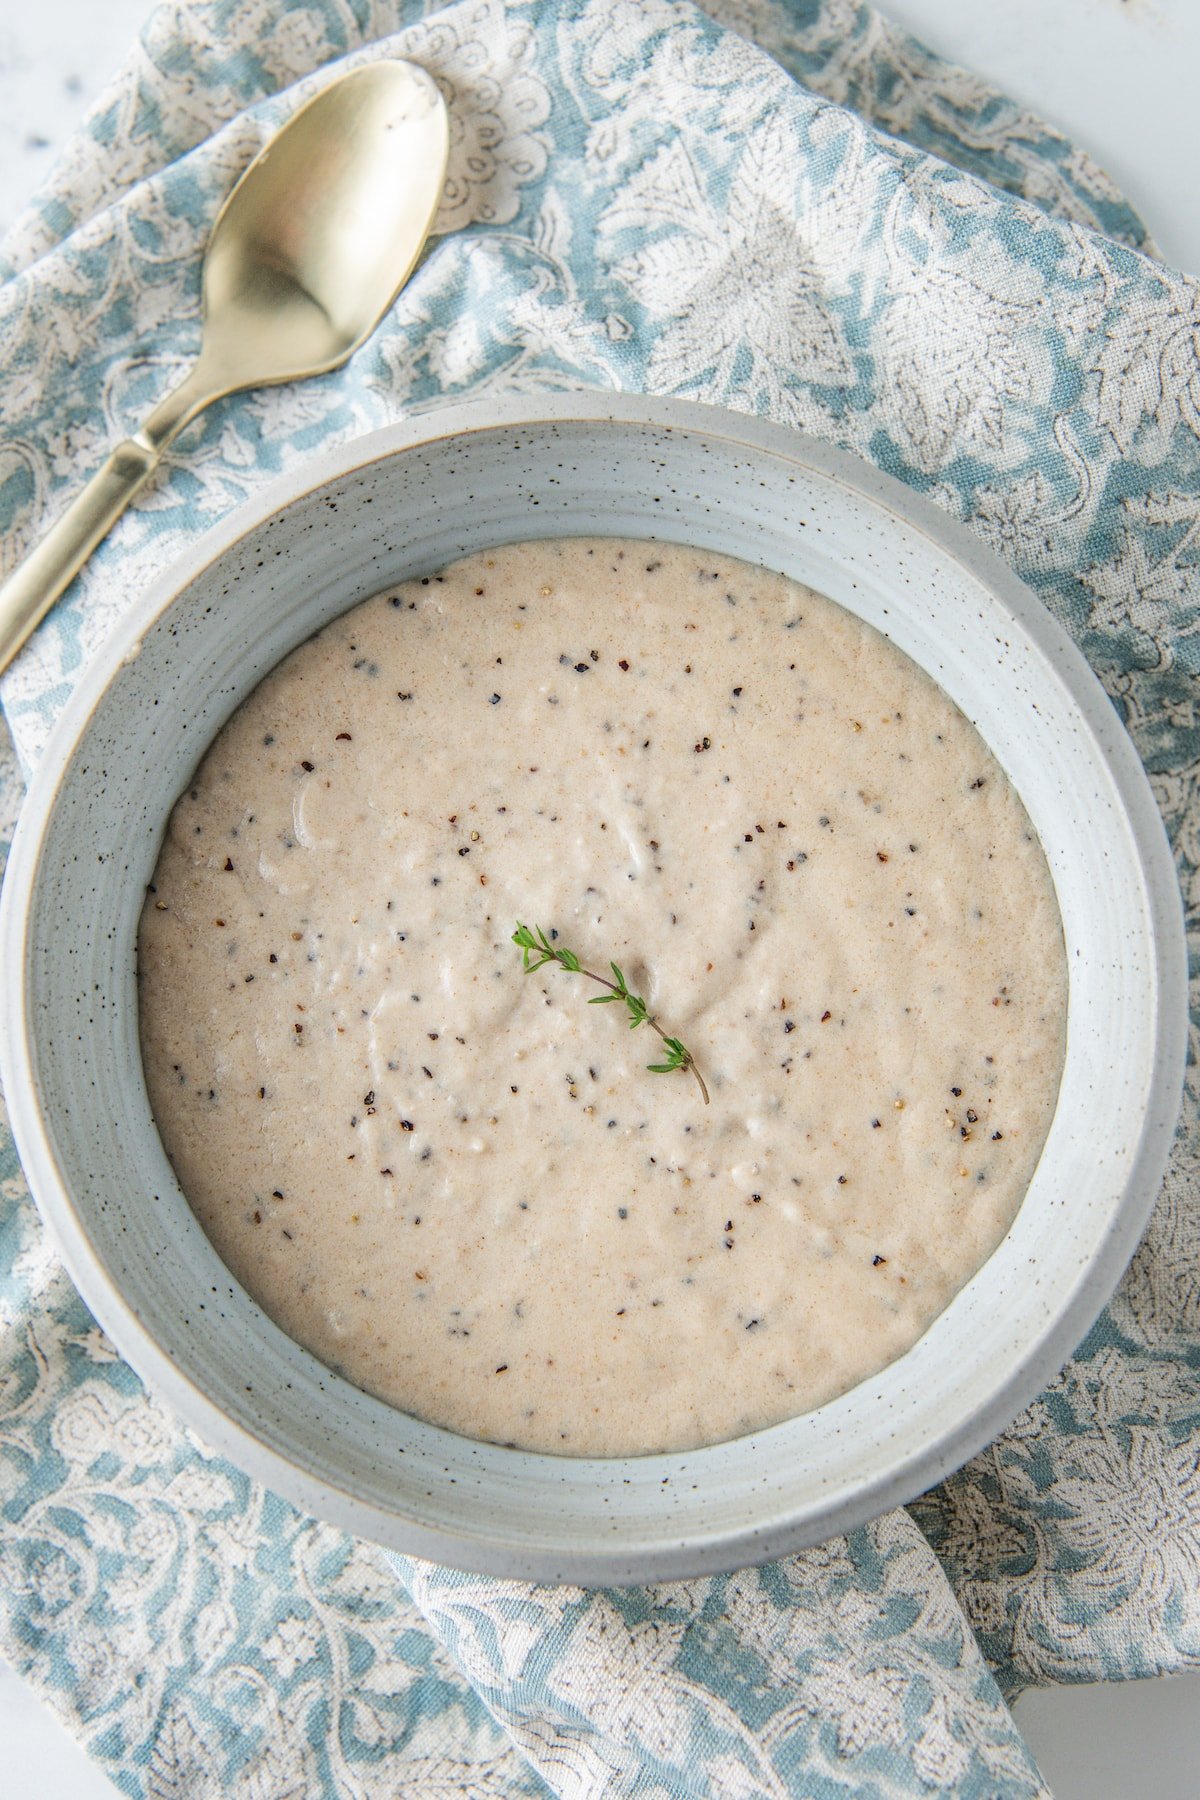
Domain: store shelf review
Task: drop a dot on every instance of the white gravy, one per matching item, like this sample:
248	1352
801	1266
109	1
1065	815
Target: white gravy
457	1183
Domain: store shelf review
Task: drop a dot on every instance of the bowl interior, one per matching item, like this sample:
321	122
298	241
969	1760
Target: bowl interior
404	503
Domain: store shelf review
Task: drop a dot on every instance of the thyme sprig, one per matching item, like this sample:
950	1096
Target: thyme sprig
535	944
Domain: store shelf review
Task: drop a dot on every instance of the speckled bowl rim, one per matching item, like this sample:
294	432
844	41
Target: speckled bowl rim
903	1472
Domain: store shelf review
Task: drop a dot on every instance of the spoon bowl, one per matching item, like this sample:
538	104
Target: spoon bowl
306	256
324	228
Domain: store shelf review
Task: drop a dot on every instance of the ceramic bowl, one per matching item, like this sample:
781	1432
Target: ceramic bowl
403	502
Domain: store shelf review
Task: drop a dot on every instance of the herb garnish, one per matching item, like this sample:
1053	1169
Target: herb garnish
536	944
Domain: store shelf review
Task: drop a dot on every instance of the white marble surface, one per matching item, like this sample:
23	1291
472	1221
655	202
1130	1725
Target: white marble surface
1120	76
55	57
41	1762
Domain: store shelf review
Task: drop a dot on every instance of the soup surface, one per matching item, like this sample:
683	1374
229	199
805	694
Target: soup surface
457	1183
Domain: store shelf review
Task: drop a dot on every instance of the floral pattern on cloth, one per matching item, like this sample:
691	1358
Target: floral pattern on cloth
638	197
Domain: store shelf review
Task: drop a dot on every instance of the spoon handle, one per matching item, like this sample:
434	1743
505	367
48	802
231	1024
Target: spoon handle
36	583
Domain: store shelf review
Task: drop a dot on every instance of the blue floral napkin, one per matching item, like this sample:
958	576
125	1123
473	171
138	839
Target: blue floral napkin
787	207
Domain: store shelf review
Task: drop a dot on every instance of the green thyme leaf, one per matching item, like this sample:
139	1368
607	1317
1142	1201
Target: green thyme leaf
536	943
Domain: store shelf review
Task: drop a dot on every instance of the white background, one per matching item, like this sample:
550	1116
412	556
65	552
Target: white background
1120	77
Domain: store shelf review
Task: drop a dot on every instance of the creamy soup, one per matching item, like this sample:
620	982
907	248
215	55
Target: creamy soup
458	1183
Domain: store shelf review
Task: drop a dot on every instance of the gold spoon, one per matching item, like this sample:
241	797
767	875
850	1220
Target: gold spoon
307	254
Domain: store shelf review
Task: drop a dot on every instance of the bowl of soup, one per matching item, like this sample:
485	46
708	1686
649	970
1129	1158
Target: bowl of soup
737	737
